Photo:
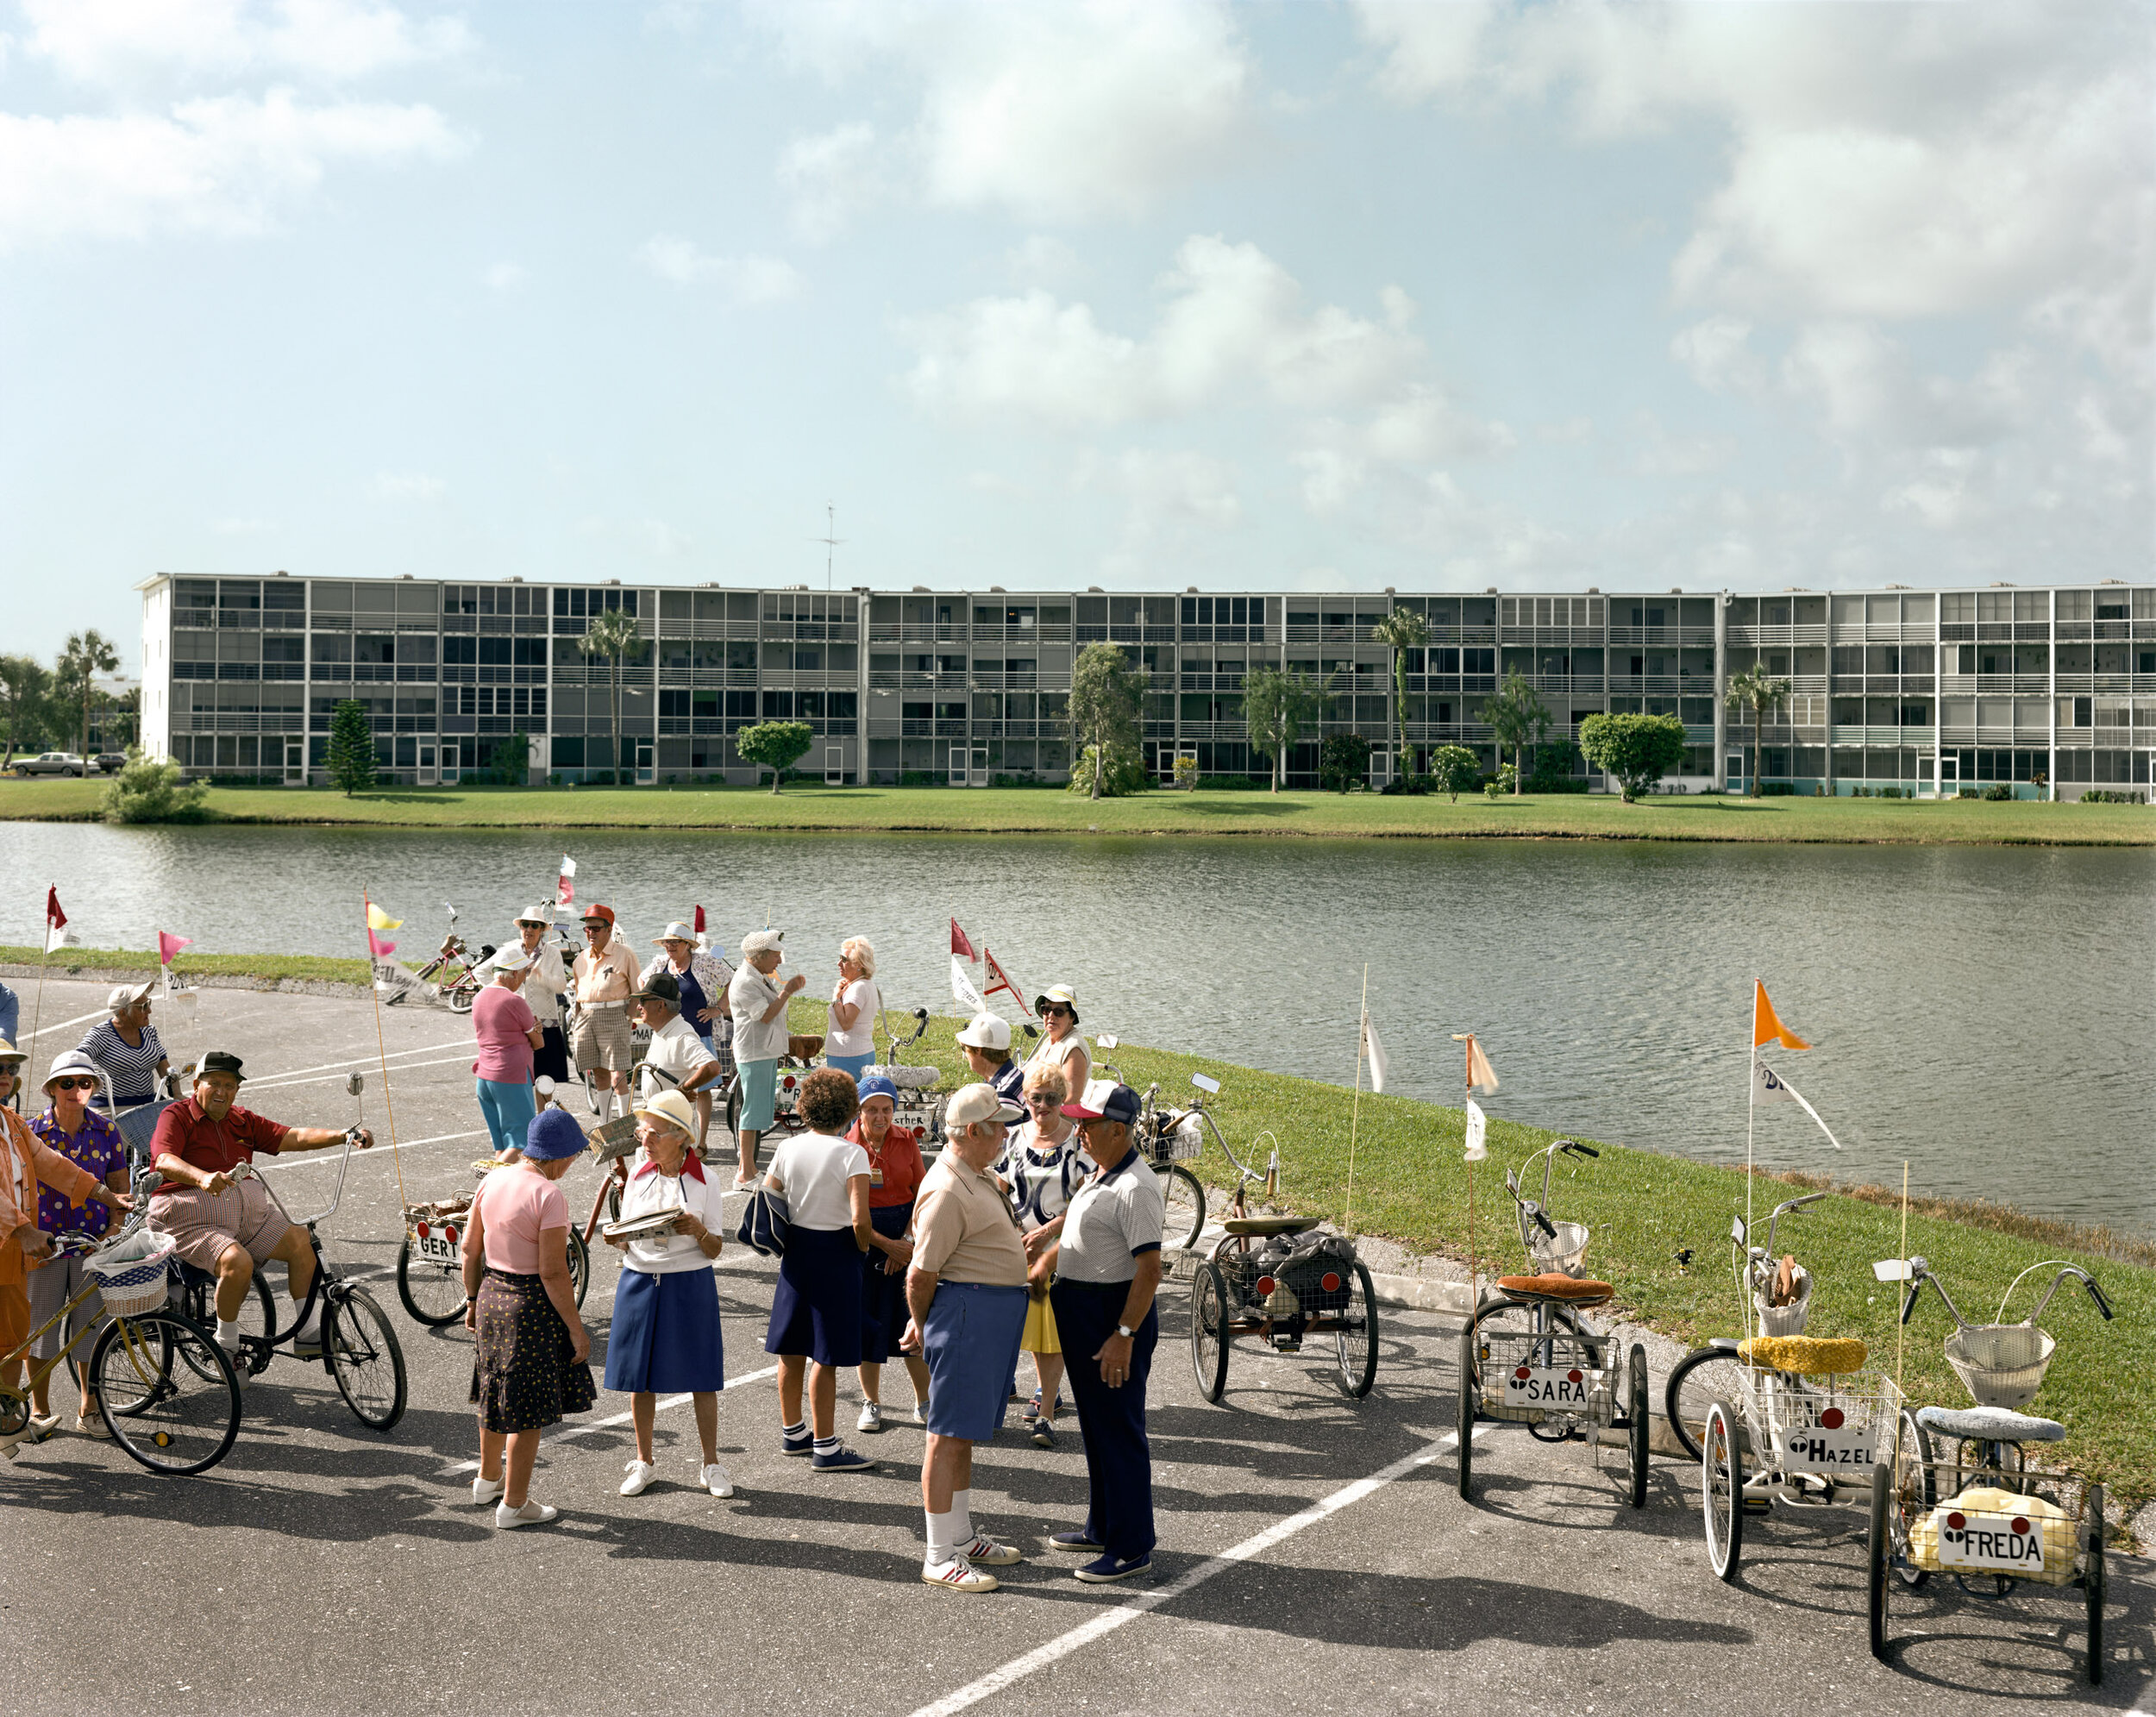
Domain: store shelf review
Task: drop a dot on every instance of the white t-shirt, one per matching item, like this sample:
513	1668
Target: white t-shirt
748	998
651	1191
676	1051
861	1039
811	1171
1050	1053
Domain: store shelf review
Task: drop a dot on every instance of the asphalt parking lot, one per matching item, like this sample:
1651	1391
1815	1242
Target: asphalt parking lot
1314	1553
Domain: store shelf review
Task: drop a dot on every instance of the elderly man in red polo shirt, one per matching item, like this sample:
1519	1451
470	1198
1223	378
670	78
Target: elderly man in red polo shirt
227	1222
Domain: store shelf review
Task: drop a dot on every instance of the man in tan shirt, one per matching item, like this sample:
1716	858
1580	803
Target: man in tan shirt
606	973
966	1294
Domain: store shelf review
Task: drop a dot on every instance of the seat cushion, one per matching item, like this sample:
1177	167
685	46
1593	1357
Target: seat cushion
1990	1424
1805	1355
1579	1290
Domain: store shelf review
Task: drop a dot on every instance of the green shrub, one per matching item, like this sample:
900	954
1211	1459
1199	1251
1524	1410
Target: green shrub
1344	762
2108	796
1121	775
144	792
1638	750
1186	773
1453	771
1998	792
1231	784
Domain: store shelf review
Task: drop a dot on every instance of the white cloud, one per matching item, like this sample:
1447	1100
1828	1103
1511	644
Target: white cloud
121	42
1652	451
1330	478
746	279
833	177
222	164
1070	111
1041	261
1718	354
407	486
504	277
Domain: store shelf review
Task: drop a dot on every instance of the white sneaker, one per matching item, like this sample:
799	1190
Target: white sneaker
641	1475
717	1480
531	1514
486	1489
986	1549
957	1575
871	1417
919	1415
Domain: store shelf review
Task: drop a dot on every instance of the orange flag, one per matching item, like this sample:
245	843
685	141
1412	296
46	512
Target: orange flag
1766	1027
1481	1075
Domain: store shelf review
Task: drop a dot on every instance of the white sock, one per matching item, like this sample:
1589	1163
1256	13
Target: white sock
962	1516
311	1329
229	1334
943	1538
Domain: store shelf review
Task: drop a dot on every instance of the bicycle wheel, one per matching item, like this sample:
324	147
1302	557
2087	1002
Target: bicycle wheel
1356	1338
197	1301
2094	1582
1463	1424
1186	1200
1636	1430
1879	1552
166	1392
1695	1382
364	1357
1913	1495
580	1258
596	1090
732	1116
432	1291
1209	1335
1722	1489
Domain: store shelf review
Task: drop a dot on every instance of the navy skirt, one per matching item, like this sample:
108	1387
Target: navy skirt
816	1308
665	1338
883	1312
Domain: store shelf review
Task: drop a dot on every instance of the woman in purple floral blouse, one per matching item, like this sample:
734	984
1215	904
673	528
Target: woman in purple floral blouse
89	1140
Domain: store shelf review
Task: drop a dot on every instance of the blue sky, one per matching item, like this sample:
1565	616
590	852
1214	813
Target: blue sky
1273	296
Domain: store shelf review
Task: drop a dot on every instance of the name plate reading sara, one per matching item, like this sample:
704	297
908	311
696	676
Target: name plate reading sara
1833	1446
1564	1387
2003	1544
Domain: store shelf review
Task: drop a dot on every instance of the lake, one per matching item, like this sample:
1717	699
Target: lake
1989	1014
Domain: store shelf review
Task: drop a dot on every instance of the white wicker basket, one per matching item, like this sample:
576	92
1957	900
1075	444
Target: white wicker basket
1562	1253
2001	1365
132	1274
1787	1320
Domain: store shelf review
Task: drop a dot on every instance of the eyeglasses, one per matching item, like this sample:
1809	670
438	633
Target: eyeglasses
71	1085
1052	1011
1038	1099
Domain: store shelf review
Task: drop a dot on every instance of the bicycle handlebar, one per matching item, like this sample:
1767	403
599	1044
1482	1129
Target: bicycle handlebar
1908	1304
2096	1295
1575	1147
1542	1221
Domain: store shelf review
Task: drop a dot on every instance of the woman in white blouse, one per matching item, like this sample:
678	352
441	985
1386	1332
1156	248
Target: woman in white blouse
666	1337
1063	1046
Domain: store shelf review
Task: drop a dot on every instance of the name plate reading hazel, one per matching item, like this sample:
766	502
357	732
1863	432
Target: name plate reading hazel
1832	1445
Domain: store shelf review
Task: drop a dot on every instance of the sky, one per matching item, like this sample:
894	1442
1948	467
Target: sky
1139	295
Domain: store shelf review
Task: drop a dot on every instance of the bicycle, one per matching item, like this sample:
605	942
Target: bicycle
1169	1138
920	1104
165	1390
359	1348
431	1257
1986	1517
1528	1357
453	974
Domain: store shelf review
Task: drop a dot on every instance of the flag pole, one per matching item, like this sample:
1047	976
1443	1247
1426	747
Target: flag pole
1474	1248
1355	1117
381	1048
1752	1093
37	1008
1899	1327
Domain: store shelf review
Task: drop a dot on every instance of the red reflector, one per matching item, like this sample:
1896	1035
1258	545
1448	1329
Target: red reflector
1957	1521
1572	1376
1521	1374
450	1235
1831	1420
1330	1282
423	1230
1265	1284
2021	1524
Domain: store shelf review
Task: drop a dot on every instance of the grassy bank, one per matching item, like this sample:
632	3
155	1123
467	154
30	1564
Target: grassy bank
72	961
1005	811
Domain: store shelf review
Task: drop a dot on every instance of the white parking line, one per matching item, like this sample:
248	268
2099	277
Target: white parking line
1108	1621
464	1054
61	1026
623	1418
381	1151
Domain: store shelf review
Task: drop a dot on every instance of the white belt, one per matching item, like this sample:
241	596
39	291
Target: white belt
588	1005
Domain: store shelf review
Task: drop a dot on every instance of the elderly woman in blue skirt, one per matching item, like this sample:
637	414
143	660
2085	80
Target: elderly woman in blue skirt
816	1308
665	1335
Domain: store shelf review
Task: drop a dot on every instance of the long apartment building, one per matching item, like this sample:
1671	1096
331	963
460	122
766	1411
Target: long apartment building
1926	690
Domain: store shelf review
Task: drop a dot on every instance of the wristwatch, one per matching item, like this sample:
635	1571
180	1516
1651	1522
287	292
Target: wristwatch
1127	1333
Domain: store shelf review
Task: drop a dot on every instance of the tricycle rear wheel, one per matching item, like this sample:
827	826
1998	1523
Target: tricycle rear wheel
1209	1336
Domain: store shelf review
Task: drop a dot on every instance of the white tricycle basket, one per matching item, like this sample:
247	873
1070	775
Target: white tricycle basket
132	1274
2001	1365
1563	1253
1786	1320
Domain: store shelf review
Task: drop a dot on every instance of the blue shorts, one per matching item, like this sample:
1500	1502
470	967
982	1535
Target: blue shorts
852	1066
759	1092
971	1344
816	1307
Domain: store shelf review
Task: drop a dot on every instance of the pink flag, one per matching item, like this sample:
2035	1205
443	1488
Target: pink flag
380	949
698	925
168	945
959	943
55	918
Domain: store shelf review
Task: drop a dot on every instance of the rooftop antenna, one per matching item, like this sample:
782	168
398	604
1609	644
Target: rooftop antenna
830	540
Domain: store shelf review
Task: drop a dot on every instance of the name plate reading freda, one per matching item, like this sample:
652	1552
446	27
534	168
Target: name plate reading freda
2001	1544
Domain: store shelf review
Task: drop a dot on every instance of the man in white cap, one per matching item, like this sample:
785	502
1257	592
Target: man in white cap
986	1043
545	992
758	1001
676	1059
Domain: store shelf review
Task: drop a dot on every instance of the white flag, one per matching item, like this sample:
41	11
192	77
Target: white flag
569	865
1478	1130
963	992
1767	1085
59	937
1377	1054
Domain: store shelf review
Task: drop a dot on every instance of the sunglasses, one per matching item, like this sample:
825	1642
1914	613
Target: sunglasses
73	1084
1051	1012
1037	1099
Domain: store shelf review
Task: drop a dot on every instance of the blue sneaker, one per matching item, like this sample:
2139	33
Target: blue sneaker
803	1444
1078	1541
842	1460
1044	1434
1100	1572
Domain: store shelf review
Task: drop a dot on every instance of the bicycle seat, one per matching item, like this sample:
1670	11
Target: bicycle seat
1805	1355
1990	1424
1574	1290
1269	1225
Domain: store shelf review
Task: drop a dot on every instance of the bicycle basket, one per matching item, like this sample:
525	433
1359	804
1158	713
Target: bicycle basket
912	1078
1563	1253
616	1138
1183	1142
1321	1285
2001	1365
132	1274
1786	1320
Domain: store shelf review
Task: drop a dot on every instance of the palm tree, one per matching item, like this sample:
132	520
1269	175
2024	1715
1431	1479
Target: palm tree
1516	719
87	655
614	635
1401	630
1756	689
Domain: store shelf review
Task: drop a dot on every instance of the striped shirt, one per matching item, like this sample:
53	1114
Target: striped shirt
132	1071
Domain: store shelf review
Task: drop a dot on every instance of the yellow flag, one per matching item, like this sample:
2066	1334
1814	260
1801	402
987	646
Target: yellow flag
1766	1027
379	919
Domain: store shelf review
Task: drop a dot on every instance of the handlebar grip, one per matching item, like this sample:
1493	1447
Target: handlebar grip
1586	1150
1908	1304
1547	1226
2096	1295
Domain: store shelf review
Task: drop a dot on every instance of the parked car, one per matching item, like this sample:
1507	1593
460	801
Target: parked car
52	763
110	763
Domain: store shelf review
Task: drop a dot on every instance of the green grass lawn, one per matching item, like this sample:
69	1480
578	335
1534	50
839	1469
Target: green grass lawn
1008	811
71	960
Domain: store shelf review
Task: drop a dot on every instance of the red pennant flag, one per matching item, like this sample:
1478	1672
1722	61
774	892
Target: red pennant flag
168	946
698	925
959	944
380	949
1001	980
55	917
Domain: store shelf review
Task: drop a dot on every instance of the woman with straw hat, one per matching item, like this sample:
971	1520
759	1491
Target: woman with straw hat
90	1141
666	1337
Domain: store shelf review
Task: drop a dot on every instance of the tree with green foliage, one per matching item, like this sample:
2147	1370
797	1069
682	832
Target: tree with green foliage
613	636
1453	770
26	690
147	791
1278	708
351	758
1344	762
1119	777
1105	693
510	761
1759	691
1638	750
774	745
1516	719
86	654
1399	631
